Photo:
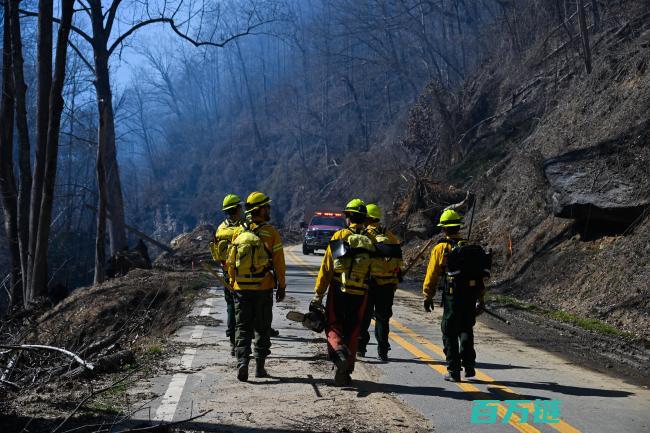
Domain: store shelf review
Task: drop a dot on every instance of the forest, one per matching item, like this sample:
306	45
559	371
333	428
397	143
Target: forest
135	117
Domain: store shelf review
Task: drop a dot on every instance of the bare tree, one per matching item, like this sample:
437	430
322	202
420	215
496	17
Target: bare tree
101	35
39	275
8	190
44	77
30	238
24	150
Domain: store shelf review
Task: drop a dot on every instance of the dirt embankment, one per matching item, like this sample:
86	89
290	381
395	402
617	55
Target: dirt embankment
116	326
559	161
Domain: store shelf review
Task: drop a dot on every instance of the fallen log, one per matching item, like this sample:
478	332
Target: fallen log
106	364
100	345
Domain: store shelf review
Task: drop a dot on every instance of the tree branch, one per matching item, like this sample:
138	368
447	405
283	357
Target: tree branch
87	365
134	29
81	56
75	29
174	27
112	12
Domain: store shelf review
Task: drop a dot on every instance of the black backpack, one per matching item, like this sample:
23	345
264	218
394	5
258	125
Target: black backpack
466	262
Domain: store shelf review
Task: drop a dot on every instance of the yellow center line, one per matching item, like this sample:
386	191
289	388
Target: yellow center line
302	262
469	388
562	426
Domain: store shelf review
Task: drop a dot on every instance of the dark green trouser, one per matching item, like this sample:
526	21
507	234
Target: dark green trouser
253	316
230	309
458	320
380	303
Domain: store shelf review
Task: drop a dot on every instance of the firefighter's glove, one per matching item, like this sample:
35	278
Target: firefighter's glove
316	303
280	293
480	307
428	305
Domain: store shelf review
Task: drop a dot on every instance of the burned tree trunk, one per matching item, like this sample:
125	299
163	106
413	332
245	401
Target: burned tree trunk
7	177
44	68
24	163
39	275
106	139
100	248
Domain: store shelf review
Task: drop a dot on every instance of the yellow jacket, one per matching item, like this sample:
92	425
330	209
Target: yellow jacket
225	224
384	271
327	273
273	242
436	269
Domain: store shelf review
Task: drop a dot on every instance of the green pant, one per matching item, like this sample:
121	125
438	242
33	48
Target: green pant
230	309
253	316
458	320
380	304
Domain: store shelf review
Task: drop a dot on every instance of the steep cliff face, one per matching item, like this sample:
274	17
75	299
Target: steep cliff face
560	161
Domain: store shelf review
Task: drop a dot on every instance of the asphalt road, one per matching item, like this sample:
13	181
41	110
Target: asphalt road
521	382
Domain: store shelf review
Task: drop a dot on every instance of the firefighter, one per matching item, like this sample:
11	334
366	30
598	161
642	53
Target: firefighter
222	237
384	276
461	299
256	267
344	276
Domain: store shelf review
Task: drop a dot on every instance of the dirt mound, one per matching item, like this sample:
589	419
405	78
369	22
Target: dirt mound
189	249
141	303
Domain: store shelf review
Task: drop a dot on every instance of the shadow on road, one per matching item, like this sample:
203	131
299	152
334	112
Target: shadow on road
556	387
364	388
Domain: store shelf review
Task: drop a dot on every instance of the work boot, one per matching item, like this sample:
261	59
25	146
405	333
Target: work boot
260	371
242	370
341	359
453	376
341	377
470	372
274	333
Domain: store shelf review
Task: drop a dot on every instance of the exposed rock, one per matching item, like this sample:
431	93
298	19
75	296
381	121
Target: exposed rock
599	183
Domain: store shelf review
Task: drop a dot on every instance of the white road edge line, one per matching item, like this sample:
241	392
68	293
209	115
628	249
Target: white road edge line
171	398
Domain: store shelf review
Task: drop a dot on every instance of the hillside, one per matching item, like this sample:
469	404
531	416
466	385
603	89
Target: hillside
559	161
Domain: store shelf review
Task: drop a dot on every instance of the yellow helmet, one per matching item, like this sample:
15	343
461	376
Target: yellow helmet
451	218
374	211
356	205
230	201
255	200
